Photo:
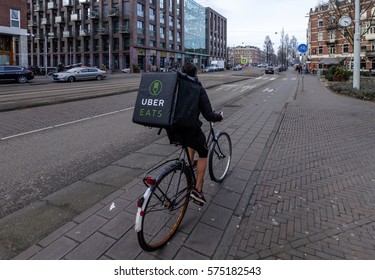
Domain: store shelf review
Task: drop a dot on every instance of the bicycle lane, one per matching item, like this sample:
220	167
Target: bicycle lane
105	231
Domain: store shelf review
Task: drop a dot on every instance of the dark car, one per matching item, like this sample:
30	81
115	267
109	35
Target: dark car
17	73
269	70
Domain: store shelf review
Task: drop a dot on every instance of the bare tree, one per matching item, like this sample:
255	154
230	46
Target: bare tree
268	49
338	8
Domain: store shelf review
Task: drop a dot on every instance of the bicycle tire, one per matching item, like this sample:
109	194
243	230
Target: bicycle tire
160	220
220	156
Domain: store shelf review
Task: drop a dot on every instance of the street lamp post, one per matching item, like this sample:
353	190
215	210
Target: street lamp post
357	46
45	54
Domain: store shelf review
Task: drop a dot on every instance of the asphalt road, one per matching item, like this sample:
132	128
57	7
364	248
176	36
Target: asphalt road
46	148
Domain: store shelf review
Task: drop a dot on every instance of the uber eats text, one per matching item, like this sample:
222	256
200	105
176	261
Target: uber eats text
151	112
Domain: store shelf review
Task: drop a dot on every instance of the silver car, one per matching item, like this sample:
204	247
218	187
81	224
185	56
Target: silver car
80	73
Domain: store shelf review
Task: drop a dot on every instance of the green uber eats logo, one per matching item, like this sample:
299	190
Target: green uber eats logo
149	111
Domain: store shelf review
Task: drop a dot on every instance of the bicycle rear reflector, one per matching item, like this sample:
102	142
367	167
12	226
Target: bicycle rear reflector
150	181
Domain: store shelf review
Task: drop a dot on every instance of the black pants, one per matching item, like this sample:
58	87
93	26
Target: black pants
194	139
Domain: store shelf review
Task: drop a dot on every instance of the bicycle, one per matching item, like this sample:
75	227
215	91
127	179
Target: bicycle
162	207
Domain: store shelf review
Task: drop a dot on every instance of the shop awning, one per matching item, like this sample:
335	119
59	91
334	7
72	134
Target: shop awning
331	60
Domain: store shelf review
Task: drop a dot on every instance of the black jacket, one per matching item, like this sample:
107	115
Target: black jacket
204	102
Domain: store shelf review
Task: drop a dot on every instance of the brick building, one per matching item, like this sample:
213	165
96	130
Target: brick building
253	54
137	34
329	43
13	33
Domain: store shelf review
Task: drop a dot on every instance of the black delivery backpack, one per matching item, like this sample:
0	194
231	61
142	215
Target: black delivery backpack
167	100
156	99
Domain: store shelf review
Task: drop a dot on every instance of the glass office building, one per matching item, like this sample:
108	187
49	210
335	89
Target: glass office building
195	33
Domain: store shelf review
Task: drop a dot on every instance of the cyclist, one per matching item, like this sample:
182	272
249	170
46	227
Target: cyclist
195	139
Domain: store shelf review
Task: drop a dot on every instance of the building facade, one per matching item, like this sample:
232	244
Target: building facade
13	33
143	35
216	36
253	55
328	42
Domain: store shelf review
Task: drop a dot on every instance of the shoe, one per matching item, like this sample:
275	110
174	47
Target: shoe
198	197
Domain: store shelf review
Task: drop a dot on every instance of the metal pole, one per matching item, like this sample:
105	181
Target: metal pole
45	54
357	48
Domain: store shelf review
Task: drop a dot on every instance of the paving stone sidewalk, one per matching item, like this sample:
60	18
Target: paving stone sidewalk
301	186
315	195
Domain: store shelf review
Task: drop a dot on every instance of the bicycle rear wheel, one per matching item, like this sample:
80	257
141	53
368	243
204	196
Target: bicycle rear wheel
165	209
219	157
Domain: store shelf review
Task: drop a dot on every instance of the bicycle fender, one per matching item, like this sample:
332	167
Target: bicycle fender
141	209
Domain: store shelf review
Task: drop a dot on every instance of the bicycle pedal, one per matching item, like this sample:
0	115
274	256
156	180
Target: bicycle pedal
197	202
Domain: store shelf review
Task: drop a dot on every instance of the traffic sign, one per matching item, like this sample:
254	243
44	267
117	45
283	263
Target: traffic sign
244	60
302	48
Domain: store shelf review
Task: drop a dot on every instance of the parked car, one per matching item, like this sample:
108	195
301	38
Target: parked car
262	65
237	68
80	73
269	70
17	73
210	69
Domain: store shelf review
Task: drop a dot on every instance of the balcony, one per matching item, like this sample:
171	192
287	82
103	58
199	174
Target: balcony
44	21
59	19
31	23
370	36
84	32
51	34
67	34
332	26
102	31
331	41
84	2
113	13
75	17
94	15
51	6
38	8
124	29
39	37
370	53
67	3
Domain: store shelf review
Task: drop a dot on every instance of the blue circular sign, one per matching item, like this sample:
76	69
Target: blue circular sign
302	48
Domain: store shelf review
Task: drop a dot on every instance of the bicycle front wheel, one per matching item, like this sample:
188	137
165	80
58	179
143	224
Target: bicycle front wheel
165	209
219	157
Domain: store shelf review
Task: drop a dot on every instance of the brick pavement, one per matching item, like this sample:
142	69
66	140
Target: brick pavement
300	187
315	194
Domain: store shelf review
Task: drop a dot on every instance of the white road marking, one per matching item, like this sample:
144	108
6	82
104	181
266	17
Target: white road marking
67	123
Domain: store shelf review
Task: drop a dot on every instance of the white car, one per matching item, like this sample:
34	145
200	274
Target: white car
80	73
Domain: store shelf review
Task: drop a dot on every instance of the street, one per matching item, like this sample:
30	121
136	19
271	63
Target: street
47	148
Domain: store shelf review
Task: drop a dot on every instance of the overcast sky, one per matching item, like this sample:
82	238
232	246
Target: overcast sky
250	21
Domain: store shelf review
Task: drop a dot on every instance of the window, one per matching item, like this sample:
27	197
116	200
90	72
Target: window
161	17
161	4
320	36
170	21
152	14
140	41
171	6
345	48
162	33
140	10
170	35
332	49
320	49
140	27
320	23
152	30
152	43
152	2
15	18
